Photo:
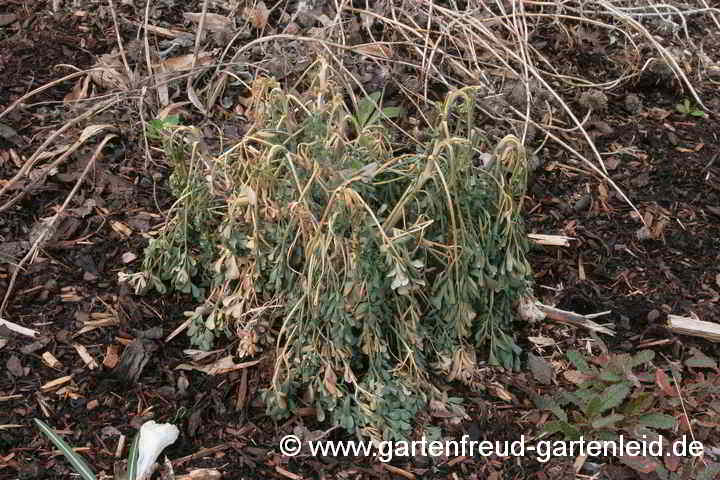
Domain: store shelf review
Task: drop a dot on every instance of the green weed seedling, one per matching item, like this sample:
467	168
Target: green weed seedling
610	401
687	109
616	396
158	125
368	115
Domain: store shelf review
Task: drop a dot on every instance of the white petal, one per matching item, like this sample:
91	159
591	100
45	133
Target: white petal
154	437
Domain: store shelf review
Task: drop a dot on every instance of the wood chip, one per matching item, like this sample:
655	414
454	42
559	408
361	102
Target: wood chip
54	384
553	240
399	471
695	328
18	329
111	357
51	361
85	355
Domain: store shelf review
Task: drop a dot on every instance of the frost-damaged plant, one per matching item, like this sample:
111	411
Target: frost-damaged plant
377	268
149	442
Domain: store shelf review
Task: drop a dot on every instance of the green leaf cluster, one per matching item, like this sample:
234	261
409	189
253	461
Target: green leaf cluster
687	109
612	400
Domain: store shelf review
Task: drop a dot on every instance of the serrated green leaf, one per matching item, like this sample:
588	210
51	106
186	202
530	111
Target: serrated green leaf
568	430
548	403
171	120
583	396
393	112
573	398
609	376
594	407
657	420
614	395
700	360
348	423
578	360
644	356
80	466
608	421
639	404
606	436
610	398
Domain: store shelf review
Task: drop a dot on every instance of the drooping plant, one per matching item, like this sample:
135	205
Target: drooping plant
378	265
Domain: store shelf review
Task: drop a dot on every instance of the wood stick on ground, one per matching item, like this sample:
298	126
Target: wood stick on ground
695	328
553	240
28	332
575	319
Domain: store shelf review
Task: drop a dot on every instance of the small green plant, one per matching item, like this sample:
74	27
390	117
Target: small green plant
370	111
157	127
687	109
611	400
623	396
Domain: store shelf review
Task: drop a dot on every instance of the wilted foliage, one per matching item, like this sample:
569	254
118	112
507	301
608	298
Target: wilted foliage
378	266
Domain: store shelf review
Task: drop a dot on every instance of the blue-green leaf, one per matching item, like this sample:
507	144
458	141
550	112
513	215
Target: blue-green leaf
75	459
133	457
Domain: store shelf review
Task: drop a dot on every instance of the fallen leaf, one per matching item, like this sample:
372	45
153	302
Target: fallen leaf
639	463
663	381
213	21
330	381
700	360
542	369
576	377
611	163
374	49
7	18
542	341
258	16
185	62
658	113
15	367
107	72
